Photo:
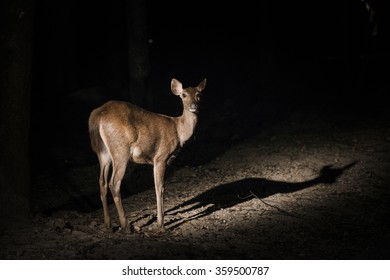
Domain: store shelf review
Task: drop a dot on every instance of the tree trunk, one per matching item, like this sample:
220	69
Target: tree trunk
138	53
15	85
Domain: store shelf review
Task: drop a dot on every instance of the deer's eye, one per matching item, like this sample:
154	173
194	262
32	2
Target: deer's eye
183	95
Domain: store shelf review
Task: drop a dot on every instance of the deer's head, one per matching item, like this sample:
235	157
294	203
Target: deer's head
190	96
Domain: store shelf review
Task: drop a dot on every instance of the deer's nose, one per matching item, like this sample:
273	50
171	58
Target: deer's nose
193	108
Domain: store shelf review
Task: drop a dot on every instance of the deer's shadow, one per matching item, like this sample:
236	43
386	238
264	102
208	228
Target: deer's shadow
234	193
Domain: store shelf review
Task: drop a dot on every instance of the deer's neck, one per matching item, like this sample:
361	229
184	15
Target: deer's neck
185	126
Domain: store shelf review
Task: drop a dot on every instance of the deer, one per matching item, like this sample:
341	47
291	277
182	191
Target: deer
121	132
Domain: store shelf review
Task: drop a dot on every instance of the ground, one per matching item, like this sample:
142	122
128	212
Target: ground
311	185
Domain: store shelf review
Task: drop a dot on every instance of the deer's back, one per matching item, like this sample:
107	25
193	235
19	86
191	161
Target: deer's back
142	134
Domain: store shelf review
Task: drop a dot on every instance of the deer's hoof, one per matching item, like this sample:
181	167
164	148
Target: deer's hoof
125	230
156	229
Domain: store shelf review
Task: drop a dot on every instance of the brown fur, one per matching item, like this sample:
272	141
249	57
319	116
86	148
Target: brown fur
121	132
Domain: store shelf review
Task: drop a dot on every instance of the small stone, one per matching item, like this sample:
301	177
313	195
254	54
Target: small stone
59	225
92	224
78	233
137	228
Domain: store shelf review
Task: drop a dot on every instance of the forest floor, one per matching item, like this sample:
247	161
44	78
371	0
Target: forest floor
311	186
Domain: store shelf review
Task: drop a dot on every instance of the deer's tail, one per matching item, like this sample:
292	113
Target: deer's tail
97	143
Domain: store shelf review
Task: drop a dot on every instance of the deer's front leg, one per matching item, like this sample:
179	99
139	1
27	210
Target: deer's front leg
159	171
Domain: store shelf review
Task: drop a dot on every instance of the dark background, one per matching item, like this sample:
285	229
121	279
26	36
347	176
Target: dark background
263	60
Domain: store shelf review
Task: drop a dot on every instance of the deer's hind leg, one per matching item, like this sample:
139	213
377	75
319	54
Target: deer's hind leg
105	163
119	164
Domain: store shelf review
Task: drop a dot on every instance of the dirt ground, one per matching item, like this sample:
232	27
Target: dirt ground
310	186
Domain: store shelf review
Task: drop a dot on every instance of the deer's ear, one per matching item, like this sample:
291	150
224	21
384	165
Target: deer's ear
201	85
176	87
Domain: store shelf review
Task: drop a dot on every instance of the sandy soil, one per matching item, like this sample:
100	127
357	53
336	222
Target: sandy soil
311	186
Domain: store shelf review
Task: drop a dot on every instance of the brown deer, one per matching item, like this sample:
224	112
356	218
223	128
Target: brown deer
121	132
